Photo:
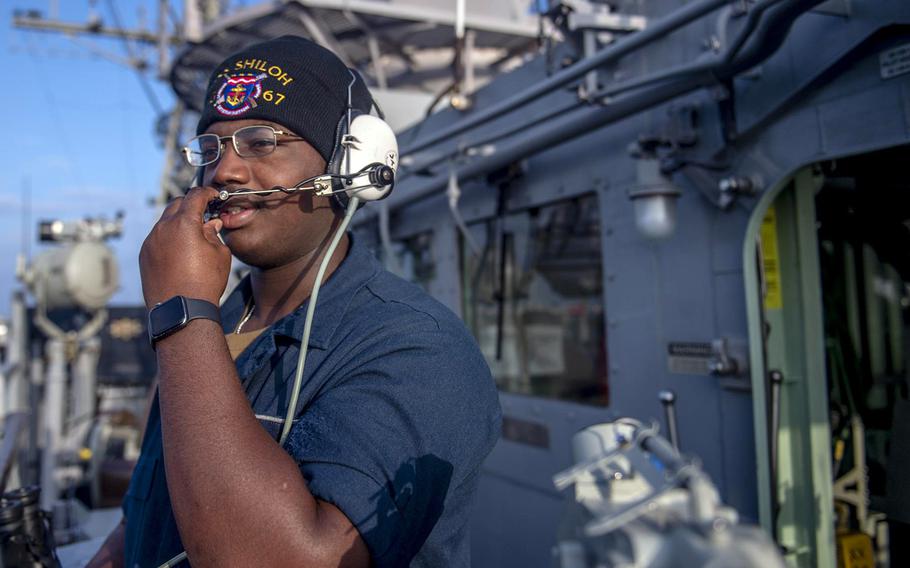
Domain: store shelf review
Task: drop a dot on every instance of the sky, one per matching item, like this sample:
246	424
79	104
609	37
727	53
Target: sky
80	136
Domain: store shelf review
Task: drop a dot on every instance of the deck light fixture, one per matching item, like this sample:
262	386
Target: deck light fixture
654	200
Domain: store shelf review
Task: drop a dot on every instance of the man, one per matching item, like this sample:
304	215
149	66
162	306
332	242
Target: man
397	409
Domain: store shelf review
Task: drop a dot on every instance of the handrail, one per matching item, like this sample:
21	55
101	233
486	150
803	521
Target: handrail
13	426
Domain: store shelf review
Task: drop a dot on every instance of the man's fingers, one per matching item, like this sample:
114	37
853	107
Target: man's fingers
172	206
197	199
211	230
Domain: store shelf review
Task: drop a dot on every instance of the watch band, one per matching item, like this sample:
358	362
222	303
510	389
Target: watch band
172	315
201	309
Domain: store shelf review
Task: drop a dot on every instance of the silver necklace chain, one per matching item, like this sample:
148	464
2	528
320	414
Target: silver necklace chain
246	318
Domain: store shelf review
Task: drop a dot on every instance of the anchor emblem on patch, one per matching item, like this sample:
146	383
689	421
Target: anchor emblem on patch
238	94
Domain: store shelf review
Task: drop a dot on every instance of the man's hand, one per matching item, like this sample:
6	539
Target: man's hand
111	553
182	256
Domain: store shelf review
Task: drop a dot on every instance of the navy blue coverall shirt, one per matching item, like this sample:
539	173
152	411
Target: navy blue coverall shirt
396	414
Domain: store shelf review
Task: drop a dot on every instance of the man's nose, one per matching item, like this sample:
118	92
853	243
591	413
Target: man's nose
230	169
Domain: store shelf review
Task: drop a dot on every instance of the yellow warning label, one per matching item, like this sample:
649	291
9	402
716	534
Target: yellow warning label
771	261
854	550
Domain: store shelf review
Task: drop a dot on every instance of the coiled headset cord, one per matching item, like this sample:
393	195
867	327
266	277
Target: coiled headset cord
304	341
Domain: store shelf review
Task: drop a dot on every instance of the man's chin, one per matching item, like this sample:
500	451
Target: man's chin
249	253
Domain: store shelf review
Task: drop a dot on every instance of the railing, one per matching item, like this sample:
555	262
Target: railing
13	426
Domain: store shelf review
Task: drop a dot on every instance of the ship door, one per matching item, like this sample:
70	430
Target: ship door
829	265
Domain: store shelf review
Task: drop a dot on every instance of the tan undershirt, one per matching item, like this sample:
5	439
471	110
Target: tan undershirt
238	342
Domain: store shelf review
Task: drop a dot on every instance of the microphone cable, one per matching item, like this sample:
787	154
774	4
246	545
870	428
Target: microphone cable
308	322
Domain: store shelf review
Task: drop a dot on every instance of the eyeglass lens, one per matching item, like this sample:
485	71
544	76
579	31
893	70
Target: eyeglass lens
249	142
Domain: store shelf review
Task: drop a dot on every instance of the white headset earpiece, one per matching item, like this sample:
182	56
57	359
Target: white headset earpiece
368	146
364	160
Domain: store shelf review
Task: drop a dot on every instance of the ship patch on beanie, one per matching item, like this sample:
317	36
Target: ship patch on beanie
238	94
242	88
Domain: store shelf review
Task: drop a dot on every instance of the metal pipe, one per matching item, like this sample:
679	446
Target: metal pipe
668	400
610	91
16	396
720	66
192	22
14	424
5	370
453	192
409	169
163	40
586	120
768	35
664	452
35	425
55	388
14	387
777	379
622	47
580	122
83	388
589	44
468	62
47	25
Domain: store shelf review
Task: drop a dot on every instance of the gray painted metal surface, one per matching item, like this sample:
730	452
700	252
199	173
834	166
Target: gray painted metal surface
824	94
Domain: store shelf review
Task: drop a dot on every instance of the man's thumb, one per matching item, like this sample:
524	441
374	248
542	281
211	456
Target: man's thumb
211	230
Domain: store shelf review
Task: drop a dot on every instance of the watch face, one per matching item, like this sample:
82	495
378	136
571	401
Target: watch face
167	317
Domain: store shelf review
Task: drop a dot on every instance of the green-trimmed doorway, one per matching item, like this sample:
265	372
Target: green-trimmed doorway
827	264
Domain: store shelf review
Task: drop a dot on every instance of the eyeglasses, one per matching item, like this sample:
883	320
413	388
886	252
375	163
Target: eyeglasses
249	142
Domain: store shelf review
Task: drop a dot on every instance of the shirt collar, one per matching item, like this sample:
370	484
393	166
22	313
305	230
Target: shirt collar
358	267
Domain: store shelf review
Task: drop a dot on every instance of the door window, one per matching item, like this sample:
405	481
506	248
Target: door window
533	297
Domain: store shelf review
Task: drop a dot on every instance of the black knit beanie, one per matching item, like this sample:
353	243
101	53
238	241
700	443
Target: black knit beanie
289	80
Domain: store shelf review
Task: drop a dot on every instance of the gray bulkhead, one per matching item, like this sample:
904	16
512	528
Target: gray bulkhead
822	95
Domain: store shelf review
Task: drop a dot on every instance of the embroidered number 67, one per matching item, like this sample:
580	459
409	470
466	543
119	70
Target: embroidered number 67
270	96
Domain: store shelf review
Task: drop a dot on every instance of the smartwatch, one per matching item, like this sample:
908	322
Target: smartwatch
172	315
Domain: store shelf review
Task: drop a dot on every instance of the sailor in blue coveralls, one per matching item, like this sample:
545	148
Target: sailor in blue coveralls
398	408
